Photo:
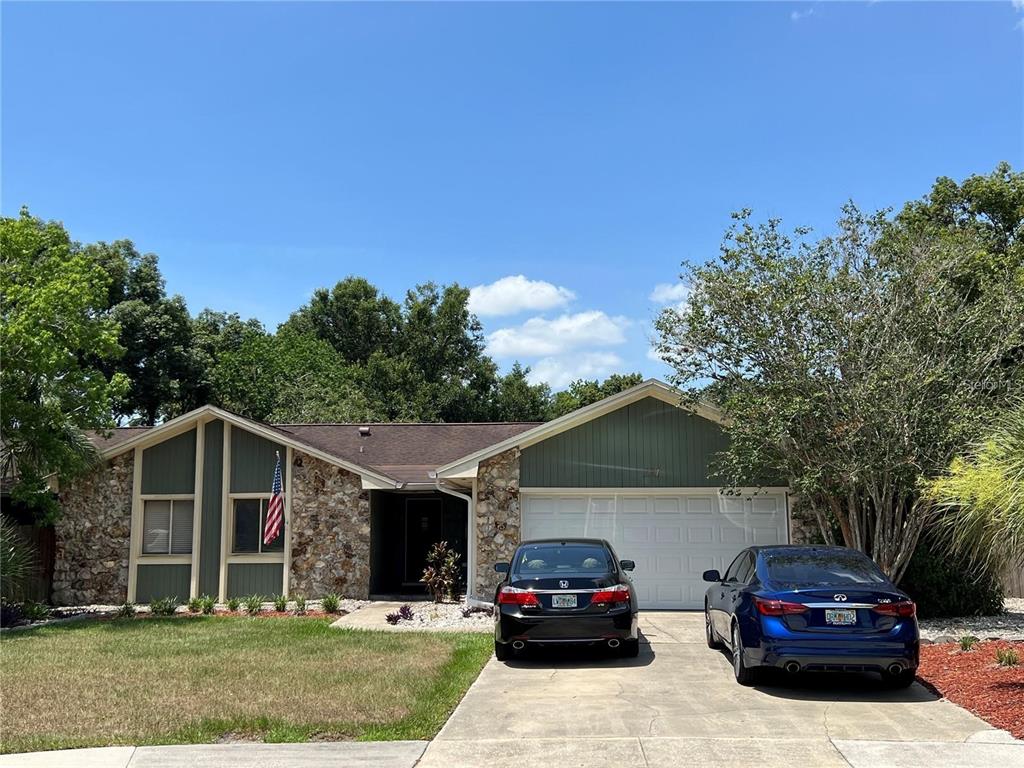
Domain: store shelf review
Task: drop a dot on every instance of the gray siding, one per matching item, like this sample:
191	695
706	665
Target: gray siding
254	579
209	548
252	462
155	581
647	444
170	466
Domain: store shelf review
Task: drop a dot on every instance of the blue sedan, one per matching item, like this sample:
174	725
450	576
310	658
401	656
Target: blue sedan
811	608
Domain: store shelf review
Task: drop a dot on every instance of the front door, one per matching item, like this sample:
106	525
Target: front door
424	527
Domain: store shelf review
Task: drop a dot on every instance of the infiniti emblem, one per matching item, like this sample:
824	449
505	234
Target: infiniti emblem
839	598
563	584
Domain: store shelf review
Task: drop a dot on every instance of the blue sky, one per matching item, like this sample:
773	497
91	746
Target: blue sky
265	149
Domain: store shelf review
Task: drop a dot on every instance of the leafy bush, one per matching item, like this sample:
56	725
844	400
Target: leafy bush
392	618
126	610
1007	657
234	604
280	603
442	572
300	605
253	604
35	611
17	560
331	603
11	614
164	606
207	603
195	605
967	642
944	586
405	613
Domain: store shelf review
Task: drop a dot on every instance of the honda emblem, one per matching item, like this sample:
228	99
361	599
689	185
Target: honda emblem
563	584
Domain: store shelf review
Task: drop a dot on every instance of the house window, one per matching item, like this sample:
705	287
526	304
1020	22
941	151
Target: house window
167	526
250	520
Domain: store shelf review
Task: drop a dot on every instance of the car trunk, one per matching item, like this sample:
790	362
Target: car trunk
558	592
842	610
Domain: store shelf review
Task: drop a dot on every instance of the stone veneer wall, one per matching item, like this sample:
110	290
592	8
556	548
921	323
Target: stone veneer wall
93	536
330	530
498	518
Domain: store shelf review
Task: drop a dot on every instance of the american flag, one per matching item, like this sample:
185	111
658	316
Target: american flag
275	512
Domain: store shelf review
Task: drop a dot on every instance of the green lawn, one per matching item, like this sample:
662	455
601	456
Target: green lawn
200	679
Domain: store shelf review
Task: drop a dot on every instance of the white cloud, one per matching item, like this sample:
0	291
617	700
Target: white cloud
559	372
670	293
800	15
539	337
515	293
1018	5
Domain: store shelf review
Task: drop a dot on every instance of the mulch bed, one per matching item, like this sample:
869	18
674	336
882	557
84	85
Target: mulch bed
976	682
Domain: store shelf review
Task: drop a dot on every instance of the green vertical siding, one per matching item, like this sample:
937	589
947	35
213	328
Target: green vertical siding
252	462
647	444
209	546
170	466
155	581
254	579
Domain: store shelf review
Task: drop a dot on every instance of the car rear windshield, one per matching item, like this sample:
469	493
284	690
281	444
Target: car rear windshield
538	559
792	568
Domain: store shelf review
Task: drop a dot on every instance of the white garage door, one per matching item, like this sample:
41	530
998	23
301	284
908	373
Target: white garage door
672	538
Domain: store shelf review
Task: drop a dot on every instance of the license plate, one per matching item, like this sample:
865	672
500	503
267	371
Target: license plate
563	601
840	616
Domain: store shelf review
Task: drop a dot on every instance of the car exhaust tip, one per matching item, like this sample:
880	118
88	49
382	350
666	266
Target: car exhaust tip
792	667
613	643
895	669
518	645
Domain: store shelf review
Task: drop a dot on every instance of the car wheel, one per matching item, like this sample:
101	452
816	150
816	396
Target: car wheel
629	649
744	675
502	652
709	631
902	680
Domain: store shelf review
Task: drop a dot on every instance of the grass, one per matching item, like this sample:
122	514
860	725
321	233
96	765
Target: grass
190	680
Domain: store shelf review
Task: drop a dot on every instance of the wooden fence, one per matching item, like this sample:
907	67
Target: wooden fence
1013	582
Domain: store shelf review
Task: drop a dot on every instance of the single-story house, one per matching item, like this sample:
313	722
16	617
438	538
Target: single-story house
178	509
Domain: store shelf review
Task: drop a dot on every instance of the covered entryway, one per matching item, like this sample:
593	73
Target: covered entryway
674	536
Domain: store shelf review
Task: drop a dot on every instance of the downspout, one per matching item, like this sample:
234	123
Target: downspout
470	539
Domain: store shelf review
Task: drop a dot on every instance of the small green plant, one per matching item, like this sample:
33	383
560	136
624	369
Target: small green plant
35	611
234	604
253	604
280	603
1007	657
195	605
126	611
442	572
207	603
300	605
164	606
331	603
967	642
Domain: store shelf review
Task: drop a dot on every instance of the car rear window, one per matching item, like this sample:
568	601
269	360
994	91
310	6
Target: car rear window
807	569
537	559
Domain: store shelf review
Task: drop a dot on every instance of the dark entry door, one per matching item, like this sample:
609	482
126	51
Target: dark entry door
424	527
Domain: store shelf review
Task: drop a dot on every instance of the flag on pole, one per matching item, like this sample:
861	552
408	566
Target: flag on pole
275	511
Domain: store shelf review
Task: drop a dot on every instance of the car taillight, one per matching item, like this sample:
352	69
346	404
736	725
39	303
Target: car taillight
524	598
778	607
617	594
904	608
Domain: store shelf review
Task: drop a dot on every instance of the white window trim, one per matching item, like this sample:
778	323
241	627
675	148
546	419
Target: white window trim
165	558
250	557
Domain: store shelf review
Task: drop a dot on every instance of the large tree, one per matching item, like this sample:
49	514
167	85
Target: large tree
850	367
55	336
583	392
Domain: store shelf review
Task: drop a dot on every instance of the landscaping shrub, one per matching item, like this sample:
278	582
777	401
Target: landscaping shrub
234	604
126	611
944	586
195	605
253	604
207	603
300	605
164	606
17	561
280	603
1007	657
967	642
442	572
11	614
331	603
470	610
35	611
405	613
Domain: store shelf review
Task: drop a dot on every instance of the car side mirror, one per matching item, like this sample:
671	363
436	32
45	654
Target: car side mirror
627	565
712	576
501	567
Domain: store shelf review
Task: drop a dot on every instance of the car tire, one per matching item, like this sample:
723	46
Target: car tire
629	649
709	632
502	652
744	675
903	680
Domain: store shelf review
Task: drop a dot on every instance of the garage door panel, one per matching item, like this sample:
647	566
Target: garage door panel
672	538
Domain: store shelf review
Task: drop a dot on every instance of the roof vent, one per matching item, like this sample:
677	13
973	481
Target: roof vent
364	431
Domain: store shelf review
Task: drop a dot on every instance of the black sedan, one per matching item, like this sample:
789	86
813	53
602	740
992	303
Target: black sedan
559	591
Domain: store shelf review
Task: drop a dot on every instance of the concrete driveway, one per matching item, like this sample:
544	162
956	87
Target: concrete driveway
678	705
